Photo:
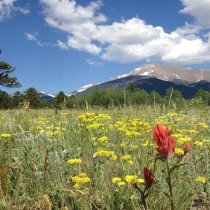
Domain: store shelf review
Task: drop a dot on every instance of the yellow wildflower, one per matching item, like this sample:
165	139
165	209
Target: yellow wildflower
126	157
132	133
199	143
179	151
121	183
145	144
106	153
103	139
5	135
80	180
139	180
203	125
130	162
201	180
74	161
131	178
124	144
115	180
118	181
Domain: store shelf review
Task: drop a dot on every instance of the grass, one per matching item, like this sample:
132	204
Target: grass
35	146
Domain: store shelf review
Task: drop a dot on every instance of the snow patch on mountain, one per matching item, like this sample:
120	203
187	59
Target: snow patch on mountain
176	75
146	73
119	77
83	88
47	94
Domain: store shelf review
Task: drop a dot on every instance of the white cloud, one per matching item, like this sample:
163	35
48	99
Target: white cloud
200	10
78	21
24	11
33	38
130	40
30	37
7	7
62	45
195	50
92	62
135	40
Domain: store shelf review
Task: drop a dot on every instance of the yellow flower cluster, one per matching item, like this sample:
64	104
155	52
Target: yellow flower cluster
51	127
118	181
74	161
133	178
128	159
80	180
132	127
129	179
179	151
201	180
106	153
93	121
102	139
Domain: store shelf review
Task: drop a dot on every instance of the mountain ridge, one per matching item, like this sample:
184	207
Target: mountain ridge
159	77
170	73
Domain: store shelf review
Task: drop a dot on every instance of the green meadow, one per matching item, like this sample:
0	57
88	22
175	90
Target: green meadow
95	159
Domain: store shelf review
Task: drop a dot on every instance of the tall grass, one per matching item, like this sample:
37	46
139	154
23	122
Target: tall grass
34	173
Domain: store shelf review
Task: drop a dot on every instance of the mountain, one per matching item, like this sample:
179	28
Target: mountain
82	89
170	73
46	96
158	77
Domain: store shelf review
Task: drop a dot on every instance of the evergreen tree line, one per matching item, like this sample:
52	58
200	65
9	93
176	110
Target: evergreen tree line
100	98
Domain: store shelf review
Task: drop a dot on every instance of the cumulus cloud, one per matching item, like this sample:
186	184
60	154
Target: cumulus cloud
7	7
86	29
200	10
78	21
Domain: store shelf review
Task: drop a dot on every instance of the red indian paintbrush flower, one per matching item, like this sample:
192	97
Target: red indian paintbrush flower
149	178
164	140
187	147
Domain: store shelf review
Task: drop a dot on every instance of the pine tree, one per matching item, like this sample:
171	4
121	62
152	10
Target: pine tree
5	78
32	96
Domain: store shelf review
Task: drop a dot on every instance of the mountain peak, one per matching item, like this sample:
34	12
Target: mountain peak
171	73
157	77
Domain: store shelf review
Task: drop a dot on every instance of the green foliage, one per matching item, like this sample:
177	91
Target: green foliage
173	97
32	96
35	174
60	99
71	102
17	99
138	97
5	78
155	98
105	98
204	96
5	100
132	87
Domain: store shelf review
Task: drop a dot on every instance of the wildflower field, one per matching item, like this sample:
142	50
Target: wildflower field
119	159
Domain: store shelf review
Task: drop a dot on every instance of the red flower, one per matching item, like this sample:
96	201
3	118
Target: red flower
187	147
164	140
149	177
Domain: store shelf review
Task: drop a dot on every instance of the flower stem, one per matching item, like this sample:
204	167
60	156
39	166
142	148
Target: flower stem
143	200
143	196
170	186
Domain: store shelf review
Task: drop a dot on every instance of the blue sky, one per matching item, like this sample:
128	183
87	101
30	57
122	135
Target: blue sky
62	45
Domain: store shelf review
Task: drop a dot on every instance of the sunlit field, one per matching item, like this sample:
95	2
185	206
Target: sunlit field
105	159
